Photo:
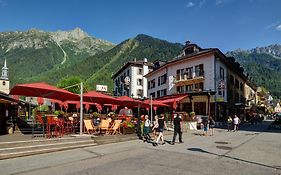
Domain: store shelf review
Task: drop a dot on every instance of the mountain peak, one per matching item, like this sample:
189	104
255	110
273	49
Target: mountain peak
76	34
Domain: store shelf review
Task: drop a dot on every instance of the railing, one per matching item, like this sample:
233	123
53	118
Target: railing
190	75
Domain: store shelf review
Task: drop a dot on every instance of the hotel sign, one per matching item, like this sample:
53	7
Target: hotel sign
102	88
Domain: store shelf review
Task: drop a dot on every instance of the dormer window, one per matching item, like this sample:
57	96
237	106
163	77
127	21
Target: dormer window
190	48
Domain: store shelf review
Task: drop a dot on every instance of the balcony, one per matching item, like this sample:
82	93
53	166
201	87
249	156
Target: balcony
190	78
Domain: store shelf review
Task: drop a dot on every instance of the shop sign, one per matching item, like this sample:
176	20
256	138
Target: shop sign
102	88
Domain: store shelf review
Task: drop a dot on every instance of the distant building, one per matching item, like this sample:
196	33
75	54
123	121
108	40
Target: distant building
129	80
4	79
214	84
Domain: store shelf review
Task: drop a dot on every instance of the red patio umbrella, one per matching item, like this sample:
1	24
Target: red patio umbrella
127	101
97	97
155	103
43	90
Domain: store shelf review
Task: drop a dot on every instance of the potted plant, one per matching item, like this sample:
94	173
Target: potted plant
127	127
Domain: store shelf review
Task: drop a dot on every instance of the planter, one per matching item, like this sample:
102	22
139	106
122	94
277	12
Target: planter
127	130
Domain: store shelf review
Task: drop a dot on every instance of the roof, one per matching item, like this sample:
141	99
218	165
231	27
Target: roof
182	58
133	63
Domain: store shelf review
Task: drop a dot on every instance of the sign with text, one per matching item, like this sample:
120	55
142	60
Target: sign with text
101	88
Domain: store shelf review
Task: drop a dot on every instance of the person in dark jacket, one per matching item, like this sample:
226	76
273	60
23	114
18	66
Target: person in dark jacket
177	129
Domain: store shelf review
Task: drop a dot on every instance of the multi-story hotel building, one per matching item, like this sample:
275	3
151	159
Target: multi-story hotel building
213	83
130	80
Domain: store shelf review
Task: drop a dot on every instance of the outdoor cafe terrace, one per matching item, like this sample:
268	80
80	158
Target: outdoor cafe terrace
72	114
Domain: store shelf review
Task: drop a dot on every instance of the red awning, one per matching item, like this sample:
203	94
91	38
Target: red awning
155	103
171	100
43	90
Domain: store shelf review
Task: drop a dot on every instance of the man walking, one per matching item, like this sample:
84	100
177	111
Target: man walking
177	129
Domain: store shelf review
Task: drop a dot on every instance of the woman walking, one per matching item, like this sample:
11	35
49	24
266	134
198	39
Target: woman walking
155	128
161	126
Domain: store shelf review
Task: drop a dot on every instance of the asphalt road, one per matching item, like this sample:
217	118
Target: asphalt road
249	151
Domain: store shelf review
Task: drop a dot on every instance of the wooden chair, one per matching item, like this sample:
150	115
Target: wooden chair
115	129
104	126
89	127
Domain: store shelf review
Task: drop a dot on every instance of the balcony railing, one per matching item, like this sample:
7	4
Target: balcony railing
190	76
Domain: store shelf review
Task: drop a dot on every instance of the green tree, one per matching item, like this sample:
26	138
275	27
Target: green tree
70	81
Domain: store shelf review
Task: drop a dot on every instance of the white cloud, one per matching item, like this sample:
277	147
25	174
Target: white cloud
278	27
220	2
190	4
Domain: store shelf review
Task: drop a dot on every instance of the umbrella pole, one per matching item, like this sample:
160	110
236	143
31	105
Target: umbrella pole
151	112
81	108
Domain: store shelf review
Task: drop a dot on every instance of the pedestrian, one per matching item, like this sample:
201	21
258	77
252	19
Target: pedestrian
146	129
155	128
236	122
211	125
177	129
229	123
161	126
205	122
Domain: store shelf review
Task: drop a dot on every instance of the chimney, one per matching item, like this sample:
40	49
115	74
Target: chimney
145	60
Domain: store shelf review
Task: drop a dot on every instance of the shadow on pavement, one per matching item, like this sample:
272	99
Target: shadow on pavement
233	158
264	126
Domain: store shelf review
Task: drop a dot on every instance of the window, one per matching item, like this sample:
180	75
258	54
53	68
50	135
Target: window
188	72
148	85
128	72
163	79
140	71
199	86
199	70
4	83
139	92
180	89
152	94
163	92
158	93
178	74
188	88
139	82
182	74
221	73
153	83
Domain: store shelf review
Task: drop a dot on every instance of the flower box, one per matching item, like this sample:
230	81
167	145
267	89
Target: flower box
127	130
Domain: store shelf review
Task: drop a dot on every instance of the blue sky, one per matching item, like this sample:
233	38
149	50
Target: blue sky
225	24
